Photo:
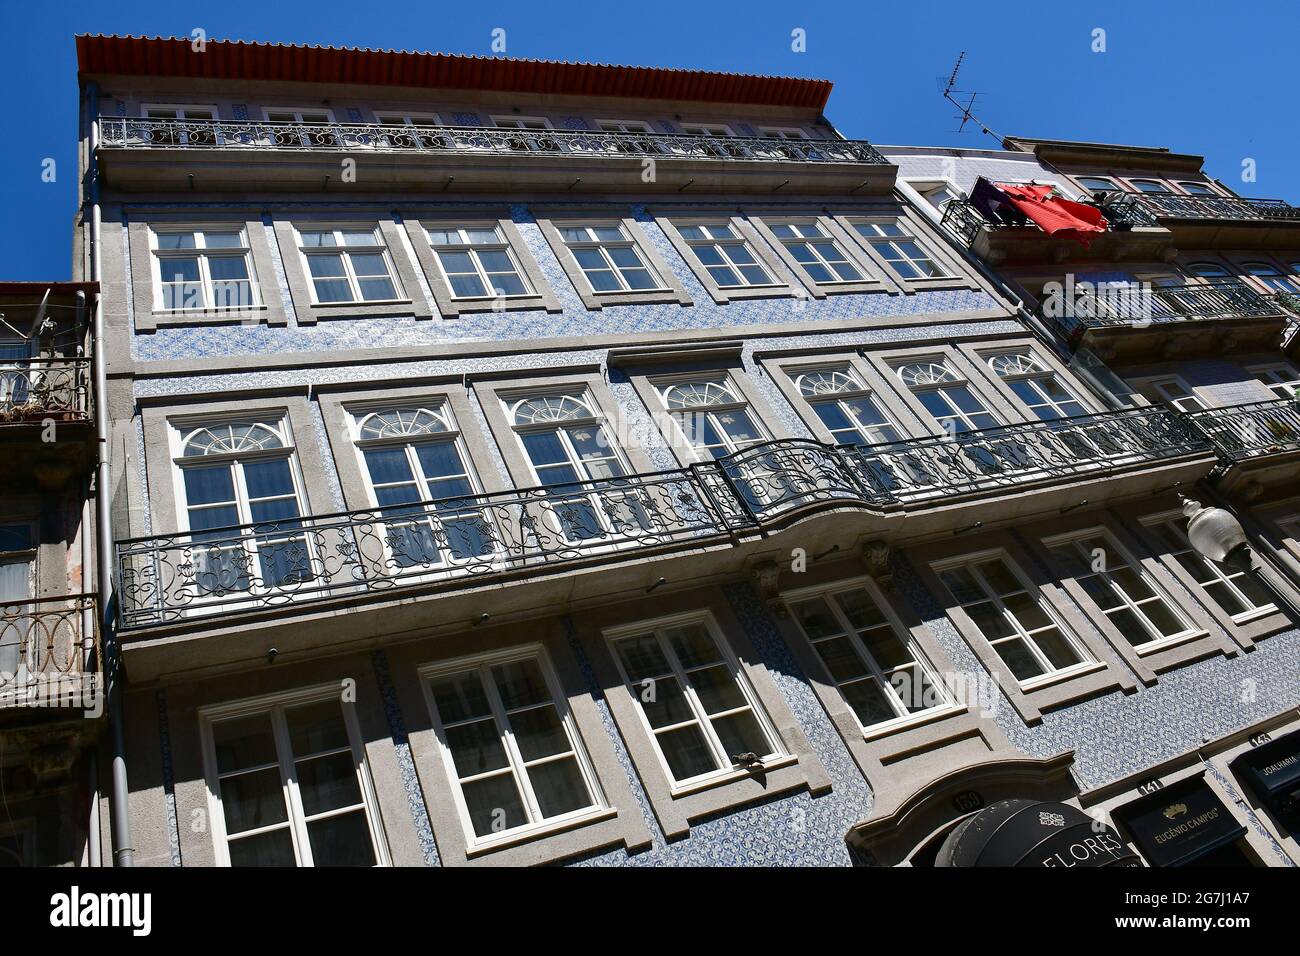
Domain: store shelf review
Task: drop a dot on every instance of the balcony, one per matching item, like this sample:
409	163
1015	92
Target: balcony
457	543
1258	444
49	653
1132	234
219	155
1225	222
40	399
1130	322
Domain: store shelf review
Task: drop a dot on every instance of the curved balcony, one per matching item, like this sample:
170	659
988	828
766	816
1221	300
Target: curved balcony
1258	444
39	388
169	578
49	652
221	154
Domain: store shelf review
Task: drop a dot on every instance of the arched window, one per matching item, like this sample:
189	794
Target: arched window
550	408
231	438
1097	184
712	416
845	407
1149	186
402	422
1271	276
1036	385
947	397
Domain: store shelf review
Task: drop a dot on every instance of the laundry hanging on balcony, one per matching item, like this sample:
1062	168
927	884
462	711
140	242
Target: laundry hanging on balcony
1054	215
995	205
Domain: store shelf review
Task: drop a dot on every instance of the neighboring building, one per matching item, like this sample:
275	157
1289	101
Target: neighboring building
50	668
529	462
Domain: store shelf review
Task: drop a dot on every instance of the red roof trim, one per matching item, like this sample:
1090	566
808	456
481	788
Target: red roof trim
279	62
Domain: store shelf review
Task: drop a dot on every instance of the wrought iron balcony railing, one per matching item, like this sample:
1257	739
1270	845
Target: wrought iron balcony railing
1252	430
165	578
965	221
1139	305
1288	302
49	649
145	133
1217	207
37	388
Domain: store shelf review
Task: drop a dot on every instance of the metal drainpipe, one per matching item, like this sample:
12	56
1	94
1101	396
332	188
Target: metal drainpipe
93	848
123	849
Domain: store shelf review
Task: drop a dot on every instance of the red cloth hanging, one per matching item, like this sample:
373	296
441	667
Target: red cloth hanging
1054	215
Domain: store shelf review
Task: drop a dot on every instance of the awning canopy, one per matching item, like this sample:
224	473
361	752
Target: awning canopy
1033	833
1175	825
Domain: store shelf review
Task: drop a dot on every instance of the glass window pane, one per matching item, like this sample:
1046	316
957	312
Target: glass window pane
717	689
1056	648
316	728
663	701
328	783
693	646
741	733
686	752
253	800
264	849
642	658
841	659
243	742
377	290
521	684
559	787
494	804
1019	660
476	748
868	701
343	840
539	732
459	697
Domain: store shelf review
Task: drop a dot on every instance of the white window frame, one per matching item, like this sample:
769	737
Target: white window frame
1051	675
778	756
798	224
945	705
298	112
909	235
201	253
441	408
1225	577
540	826
783	132
1286	376
275	705
722	245
344	252
1164	189
1032	377
182	426
179	110
1158	642
740	402
511	121
1157	385
471	249
959	379
621	126
602	246
861	391
407	118
707	130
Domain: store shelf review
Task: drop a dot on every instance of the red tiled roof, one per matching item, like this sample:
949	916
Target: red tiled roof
237	59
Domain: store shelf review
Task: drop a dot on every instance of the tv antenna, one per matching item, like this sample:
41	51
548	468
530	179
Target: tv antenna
951	94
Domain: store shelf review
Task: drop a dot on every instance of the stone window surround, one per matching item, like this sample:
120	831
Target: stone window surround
211	713
670	217
877	277
621	824
644	380
890	759
185	699
542	296
309	312
1243	742
789	367
1107	675
801	770
159	416
1209	641
959	274
494	393
968	370
1245	634
270	309
338	401
978	354
551	219
1278	545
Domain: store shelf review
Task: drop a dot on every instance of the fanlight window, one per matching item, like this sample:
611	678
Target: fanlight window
550	408
231	438
402	423
827	382
698	395
925	373
1015	363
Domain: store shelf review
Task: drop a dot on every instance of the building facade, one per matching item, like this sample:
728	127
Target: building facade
528	463
51	693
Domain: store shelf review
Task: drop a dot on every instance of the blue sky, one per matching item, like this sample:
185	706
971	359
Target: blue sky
1211	78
